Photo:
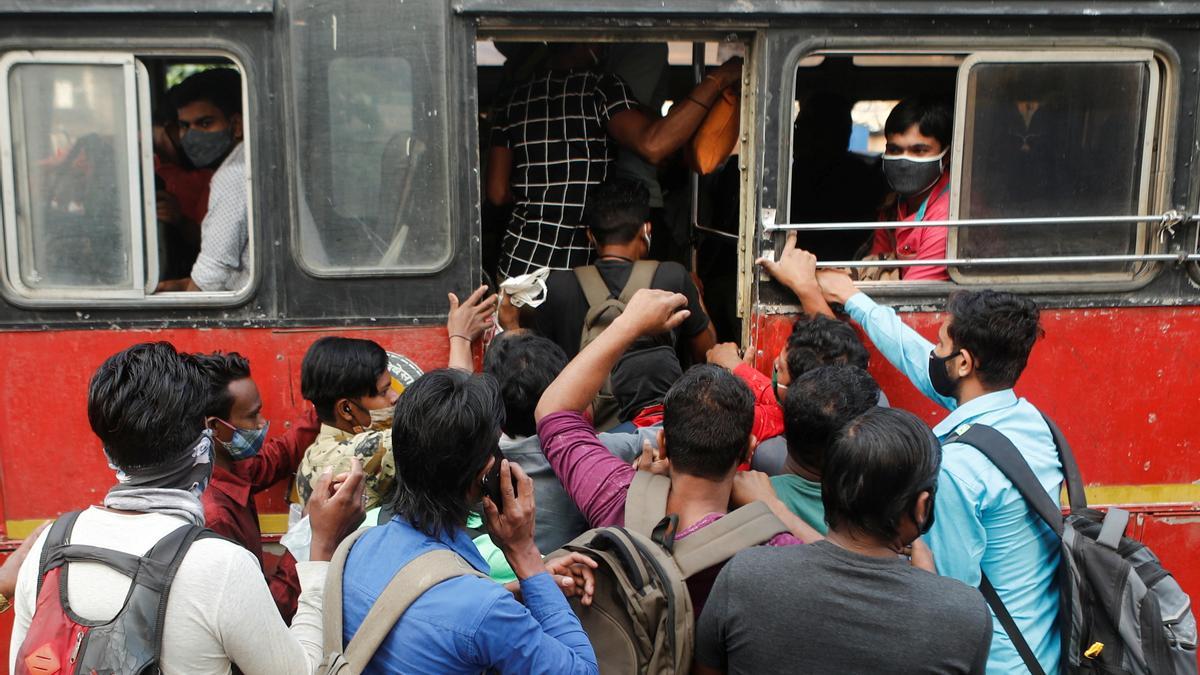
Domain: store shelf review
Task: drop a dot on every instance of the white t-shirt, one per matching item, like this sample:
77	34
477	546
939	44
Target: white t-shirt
219	610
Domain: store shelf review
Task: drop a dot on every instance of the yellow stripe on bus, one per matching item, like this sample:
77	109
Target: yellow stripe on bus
1166	493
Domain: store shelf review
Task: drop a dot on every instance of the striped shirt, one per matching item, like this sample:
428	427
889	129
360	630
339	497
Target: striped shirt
555	126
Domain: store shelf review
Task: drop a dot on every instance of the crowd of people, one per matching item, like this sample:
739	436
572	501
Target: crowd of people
887	528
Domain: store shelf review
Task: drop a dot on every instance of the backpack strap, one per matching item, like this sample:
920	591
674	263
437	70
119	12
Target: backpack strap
59	534
1008	459
1001	451
640	277
750	525
1072	478
419	575
646	502
1010	626
594	288
332	602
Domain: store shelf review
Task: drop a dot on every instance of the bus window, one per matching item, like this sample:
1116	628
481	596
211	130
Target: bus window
372	151
73	192
1054	135
100	198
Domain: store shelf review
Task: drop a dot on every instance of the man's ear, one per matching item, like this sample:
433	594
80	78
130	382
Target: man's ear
662	443
591	239
750	449
236	120
343	411
967	365
921	510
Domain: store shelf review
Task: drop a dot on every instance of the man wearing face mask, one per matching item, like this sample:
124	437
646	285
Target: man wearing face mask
348	383
984	526
246	462
209	106
915	164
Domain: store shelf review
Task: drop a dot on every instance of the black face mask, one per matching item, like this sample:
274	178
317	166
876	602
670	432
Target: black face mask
939	377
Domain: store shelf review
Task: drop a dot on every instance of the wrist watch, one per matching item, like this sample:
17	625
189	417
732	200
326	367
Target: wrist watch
5	604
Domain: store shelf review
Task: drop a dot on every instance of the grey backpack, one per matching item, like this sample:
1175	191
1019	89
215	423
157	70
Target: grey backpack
603	307
641	618
419	575
1120	611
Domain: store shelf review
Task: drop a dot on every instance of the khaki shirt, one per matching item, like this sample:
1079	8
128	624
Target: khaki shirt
334	448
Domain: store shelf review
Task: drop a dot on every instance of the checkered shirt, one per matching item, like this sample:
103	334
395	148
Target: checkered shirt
555	126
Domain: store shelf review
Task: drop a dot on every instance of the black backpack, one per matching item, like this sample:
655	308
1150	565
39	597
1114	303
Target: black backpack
1120	611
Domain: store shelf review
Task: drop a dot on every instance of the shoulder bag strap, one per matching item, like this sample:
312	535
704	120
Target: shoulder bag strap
646	502
332	602
594	288
640	277
419	575
750	525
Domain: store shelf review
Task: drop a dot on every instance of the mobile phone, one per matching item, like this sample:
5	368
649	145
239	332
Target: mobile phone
491	481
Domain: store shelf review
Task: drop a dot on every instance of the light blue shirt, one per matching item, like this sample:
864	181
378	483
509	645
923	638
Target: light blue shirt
462	625
982	522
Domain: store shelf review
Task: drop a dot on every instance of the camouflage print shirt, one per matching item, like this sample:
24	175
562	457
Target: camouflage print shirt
334	448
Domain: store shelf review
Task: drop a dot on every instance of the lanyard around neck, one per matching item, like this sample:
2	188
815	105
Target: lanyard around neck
921	211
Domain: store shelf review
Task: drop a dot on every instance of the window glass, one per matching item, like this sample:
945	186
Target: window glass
372	140
1053	139
72	225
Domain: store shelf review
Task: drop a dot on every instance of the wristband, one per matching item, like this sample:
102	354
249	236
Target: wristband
697	102
459	335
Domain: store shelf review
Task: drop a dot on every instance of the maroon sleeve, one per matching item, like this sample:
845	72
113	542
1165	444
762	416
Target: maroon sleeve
285	587
280	455
596	479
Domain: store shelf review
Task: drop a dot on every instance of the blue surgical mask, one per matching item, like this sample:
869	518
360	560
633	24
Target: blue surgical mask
205	148
245	443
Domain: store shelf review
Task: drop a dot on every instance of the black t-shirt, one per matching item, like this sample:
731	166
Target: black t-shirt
561	316
818	608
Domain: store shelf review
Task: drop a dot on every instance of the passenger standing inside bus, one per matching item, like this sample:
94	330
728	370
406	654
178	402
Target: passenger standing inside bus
209	106
983	525
246	462
552	140
915	162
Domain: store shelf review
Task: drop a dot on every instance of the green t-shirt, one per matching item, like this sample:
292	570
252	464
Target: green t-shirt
502	572
803	498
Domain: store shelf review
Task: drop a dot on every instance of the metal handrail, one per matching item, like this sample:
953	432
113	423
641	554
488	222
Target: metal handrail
1045	260
1168	219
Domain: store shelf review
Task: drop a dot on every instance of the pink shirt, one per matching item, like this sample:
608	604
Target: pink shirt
919	243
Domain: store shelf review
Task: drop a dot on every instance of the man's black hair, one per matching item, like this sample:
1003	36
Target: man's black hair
877	468
822	341
616	210
708	416
930	113
338	367
221	87
998	329
523	364
146	404
446	426
221	369
819	403
644	374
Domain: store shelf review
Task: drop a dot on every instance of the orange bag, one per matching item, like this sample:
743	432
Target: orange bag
717	136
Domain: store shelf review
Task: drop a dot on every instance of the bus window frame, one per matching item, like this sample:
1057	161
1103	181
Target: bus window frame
1163	167
1148	194
140	117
